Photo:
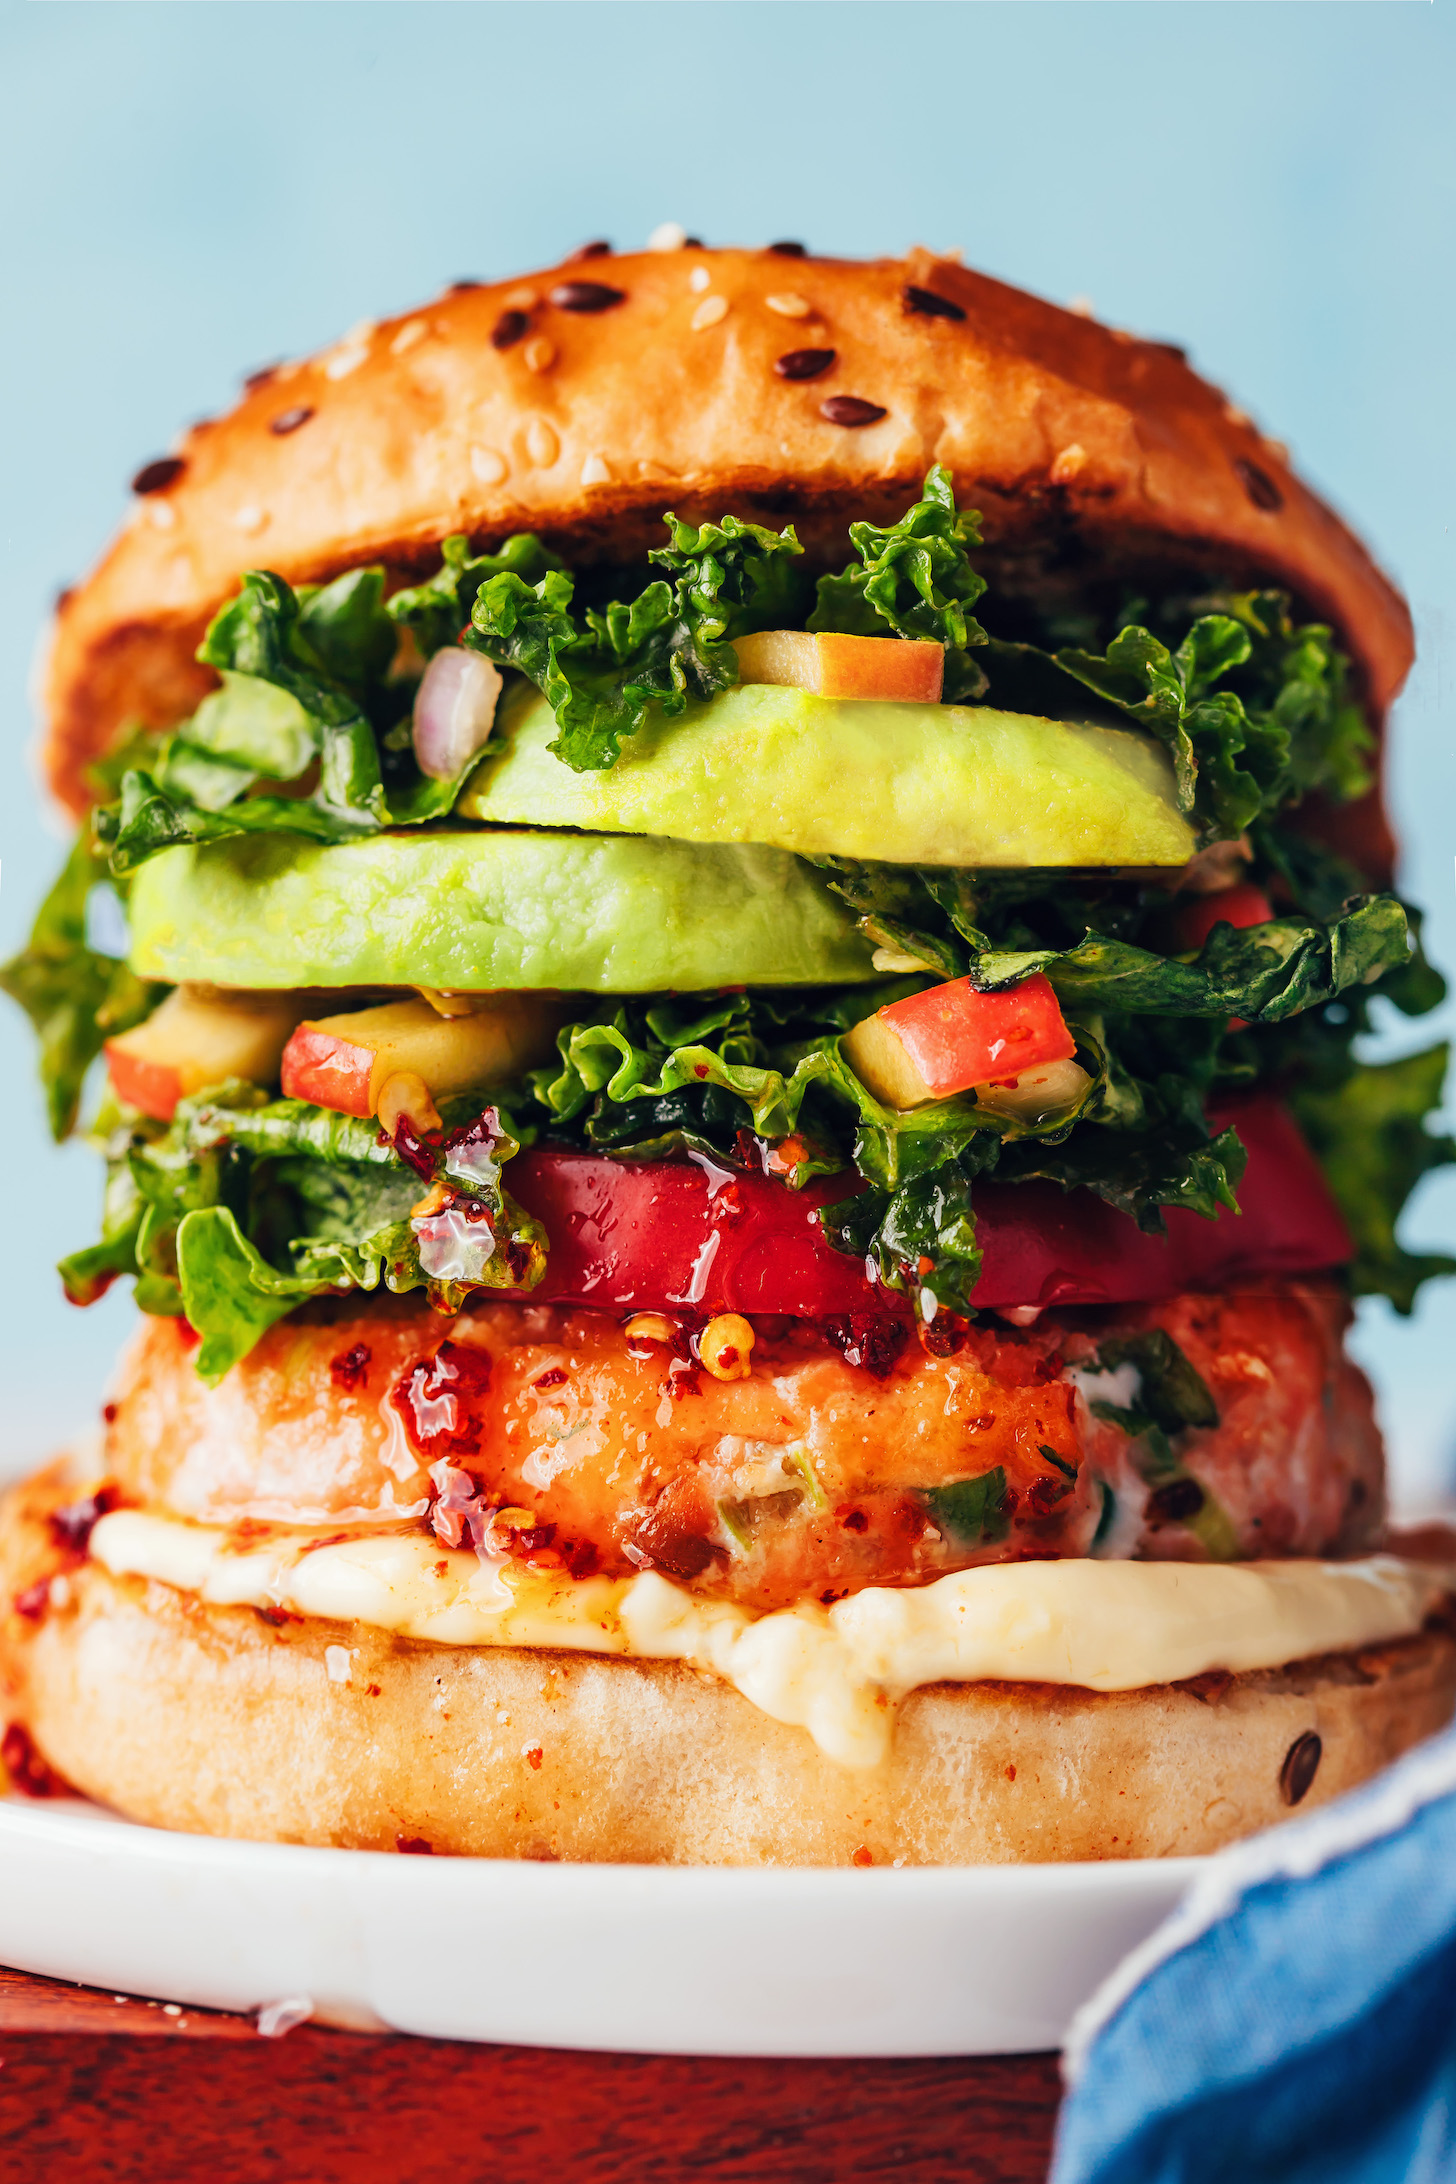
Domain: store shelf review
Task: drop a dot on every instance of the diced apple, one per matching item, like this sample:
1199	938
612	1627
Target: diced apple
1038	1094
344	1062
200	1038
952	1038
1243	905
835	666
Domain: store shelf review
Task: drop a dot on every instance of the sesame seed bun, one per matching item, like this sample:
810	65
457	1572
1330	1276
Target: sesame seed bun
582	401
216	1722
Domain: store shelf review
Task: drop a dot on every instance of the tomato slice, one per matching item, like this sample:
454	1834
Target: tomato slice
665	1235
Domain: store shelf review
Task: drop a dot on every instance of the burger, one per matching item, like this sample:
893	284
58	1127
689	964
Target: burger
728	899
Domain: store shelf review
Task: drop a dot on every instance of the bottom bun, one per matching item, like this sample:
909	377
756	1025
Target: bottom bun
218	1722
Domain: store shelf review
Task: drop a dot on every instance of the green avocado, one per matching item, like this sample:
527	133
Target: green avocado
835	777
490	909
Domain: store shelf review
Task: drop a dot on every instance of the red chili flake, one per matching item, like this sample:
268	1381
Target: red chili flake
851	410
433	1398
554	1377
28	1772
533	1755
586	296
1258	484
518	1256
413	1150
72	1526
804	363
289	420
187	1334
943	1336
597	249
373	1691
34	1600
531	1539
874	1344
1175	1502
660	1541
580	1557
855	1520
924	303
508	329
413	1846
1011	1774
788	250
155	477
1044	1494
276	1617
350	1366
110	1413
864	1856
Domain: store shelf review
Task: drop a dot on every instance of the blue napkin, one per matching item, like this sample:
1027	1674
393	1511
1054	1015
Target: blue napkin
1295	2019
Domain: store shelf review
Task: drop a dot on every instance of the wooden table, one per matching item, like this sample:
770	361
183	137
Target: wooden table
118	2091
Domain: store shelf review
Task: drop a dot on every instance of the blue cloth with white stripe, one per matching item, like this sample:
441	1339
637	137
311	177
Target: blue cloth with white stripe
1295	2019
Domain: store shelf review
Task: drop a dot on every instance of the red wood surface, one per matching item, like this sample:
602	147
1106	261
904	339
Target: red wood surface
104	2089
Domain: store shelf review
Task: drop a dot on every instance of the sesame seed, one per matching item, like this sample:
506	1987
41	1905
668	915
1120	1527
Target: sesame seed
539	354
488	464
671	235
596	471
338	1660
804	363
520	299
508	329
171	2009
343	361
155	477
1235	415
1082	307
700	278
412	331
710	312
289	420
542	445
925	303
586	296
851	410
1070	462
161	514
249	519
788	305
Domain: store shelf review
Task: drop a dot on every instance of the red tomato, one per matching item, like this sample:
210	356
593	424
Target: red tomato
1241	905
665	1234
957	1036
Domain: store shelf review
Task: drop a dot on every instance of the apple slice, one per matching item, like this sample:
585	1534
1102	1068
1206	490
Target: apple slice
1037	1094
834	666
197	1038
344	1062
953	1037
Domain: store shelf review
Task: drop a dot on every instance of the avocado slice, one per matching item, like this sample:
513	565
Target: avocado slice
848	777
488	909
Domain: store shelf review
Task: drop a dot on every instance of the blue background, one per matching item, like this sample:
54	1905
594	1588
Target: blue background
190	191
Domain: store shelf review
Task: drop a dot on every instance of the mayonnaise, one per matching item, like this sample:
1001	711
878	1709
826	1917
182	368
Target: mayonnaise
837	1672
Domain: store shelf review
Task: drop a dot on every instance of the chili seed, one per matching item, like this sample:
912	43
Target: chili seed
851	410
289	420
508	329
1301	1765
805	364
1258	484
155	477
925	303
586	296
788	250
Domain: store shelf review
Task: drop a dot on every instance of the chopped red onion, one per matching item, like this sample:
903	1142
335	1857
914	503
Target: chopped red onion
454	711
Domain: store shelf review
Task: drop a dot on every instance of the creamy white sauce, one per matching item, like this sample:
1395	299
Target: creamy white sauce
837	1672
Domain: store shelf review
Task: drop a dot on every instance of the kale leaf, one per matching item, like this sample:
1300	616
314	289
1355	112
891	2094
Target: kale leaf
914	577
75	997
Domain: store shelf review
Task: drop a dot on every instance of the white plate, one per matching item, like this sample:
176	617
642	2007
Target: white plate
981	1960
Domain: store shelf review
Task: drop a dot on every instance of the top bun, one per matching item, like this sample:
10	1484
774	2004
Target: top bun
584	401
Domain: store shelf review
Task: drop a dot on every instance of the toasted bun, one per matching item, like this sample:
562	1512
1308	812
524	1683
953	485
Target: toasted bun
217	1722
1084	449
